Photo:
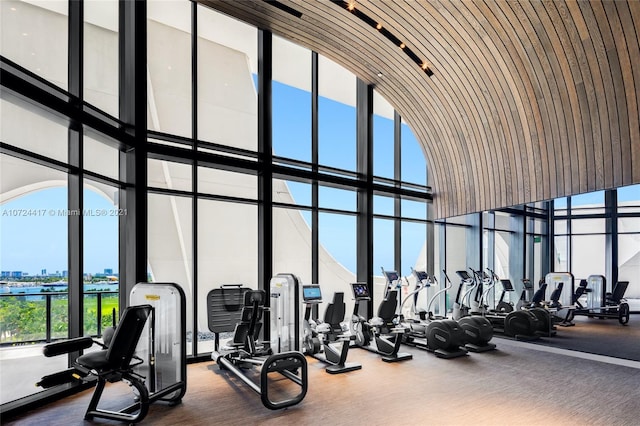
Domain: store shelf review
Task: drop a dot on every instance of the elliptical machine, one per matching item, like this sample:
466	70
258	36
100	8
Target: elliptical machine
521	325
478	331
319	337
443	337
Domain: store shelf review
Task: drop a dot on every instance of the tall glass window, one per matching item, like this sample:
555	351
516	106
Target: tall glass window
383	137
27	39
101	61
336	116
291	100
34	247
227	66
169	65
414	166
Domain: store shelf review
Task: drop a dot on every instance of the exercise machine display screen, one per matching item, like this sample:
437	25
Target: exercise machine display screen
421	275
527	284
311	293
464	275
506	284
360	290
391	276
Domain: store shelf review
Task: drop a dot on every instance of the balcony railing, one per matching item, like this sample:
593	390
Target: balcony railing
27	318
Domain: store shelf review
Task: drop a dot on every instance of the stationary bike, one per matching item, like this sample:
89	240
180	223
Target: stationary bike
320	337
381	334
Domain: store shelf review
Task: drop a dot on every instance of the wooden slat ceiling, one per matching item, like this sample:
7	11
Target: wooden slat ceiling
529	100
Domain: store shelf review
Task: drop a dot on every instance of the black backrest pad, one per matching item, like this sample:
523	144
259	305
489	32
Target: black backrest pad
224	308
334	314
555	294
539	294
125	338
619	291
387	309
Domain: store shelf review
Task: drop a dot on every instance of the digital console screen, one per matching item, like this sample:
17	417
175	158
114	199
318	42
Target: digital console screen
360	290
421	275
311	293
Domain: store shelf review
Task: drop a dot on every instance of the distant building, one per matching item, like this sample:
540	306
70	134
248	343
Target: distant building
5	274
65	274
16	274
43	273
108	271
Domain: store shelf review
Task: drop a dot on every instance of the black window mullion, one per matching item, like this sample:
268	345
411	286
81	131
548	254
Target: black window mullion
132	97
265	174
315	215
397	201
75	177
194	172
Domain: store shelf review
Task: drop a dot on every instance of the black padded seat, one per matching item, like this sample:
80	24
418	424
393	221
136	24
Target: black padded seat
122	344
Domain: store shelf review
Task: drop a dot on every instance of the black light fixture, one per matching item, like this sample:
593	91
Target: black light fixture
350	6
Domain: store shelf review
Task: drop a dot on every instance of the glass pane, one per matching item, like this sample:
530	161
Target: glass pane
502	247
383	245
590	199
100	156
560	227
100	256
27	37
629	199
628	224
587	256
33	131
169	175
383	205
291	192
333	198
292	245
33	243
227	254
588	226
222	182
502	221
227	65
561	256
560	206
629	263
337	269
101	59
291	96
414	209
336	115
413	250
170	243
383	139
169	66
414	164
456	249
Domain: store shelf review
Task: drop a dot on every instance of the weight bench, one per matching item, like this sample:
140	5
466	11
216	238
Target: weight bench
115	362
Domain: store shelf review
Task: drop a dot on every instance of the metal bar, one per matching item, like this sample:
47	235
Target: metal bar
229	366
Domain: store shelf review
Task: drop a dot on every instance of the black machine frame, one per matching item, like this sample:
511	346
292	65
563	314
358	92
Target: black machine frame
240	309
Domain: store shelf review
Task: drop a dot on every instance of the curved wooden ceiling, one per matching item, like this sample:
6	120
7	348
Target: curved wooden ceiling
529	100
